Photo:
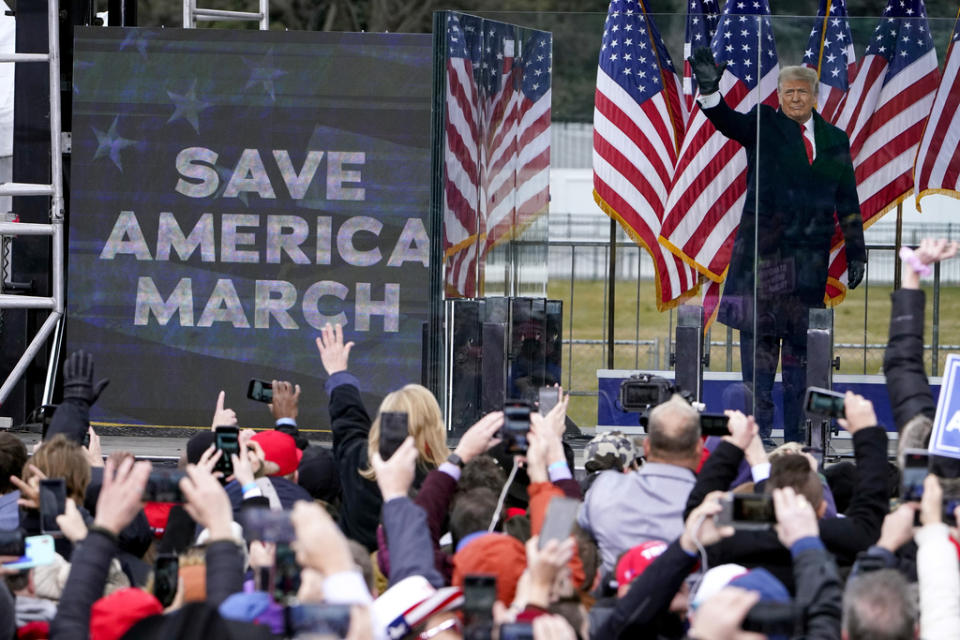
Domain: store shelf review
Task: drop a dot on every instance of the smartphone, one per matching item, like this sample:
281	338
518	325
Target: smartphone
823	402
227	439
774	618
549	398
558	523
260	390
516	631
393	431
12	543
286	573
53	502
163	485
166	572
714	424
916	467
267	525
750	511
516	426
479	594
38	552
325	620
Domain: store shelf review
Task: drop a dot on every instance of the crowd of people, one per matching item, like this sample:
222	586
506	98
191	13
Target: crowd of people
296	539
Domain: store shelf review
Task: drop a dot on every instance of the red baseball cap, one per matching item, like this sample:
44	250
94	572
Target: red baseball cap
636	561
280	449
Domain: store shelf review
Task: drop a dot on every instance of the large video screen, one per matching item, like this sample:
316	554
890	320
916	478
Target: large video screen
233	191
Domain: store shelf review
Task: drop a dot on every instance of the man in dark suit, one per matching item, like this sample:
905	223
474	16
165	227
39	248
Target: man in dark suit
800	181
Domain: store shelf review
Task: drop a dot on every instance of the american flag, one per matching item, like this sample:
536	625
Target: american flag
637	127
883	115
938	162
520	140
461	156
830	53
888	104
709	185
702	18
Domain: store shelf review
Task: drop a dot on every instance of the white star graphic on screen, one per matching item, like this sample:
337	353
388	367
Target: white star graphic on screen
188	106
110	144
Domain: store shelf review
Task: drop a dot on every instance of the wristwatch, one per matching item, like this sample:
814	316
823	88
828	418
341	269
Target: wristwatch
455	459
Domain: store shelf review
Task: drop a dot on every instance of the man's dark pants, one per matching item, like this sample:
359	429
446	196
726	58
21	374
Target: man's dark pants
764	365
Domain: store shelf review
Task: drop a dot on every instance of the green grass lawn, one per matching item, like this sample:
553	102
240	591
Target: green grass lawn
864	317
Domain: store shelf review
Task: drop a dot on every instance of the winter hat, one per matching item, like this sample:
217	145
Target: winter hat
280	449
197	444
716	579
764	583
113	615
494	553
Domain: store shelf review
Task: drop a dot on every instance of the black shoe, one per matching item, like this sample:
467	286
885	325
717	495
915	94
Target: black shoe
769	443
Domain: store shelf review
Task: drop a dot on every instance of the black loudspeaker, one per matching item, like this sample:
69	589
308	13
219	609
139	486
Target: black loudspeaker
501	348
465	373
493	367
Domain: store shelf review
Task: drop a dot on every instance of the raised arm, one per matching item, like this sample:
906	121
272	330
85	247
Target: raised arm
907	383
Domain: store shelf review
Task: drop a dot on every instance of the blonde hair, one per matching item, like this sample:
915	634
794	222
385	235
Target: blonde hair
425	423
60	457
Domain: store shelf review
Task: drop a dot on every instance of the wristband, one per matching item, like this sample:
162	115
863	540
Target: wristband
557	465
908	256
250	486
95	528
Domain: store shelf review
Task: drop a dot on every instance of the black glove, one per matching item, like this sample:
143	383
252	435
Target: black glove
78	378
855	269
706	70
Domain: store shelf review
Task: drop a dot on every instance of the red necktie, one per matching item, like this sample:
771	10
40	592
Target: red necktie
806	144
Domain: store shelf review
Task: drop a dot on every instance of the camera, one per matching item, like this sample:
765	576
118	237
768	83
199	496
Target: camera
643	391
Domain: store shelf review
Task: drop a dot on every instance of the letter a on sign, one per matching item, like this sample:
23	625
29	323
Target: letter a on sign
945	439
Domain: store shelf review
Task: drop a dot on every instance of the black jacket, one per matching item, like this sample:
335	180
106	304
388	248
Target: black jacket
360	509
793	229
88	576
643	611
907	383
843	537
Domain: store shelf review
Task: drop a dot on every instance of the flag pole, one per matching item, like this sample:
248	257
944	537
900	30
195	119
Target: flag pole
613	289
898	242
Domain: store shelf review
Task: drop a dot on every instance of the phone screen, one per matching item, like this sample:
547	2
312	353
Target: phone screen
549	397
328	620
164	486
260	390
12	543
916	465
227	439
393	431
479	594
39	552
753	508
286	573
166	572
714	424
516	426
823	402
558	524
53	501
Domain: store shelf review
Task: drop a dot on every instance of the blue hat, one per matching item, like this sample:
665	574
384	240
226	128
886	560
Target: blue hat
764	583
